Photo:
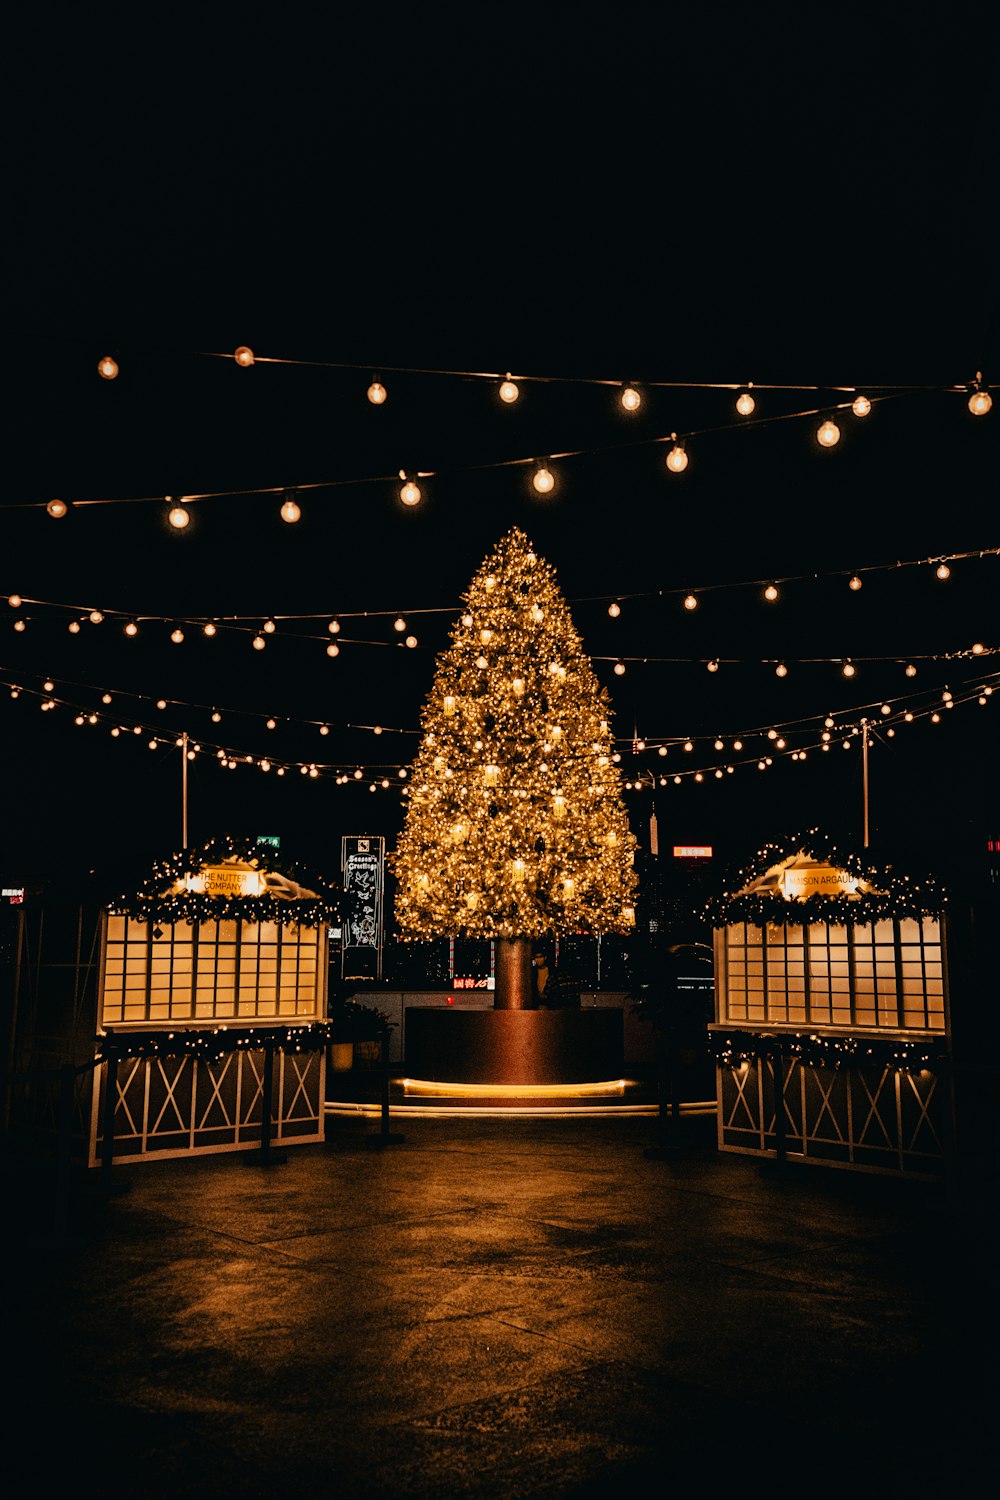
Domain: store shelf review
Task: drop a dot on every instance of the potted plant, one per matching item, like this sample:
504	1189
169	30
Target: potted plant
357	1031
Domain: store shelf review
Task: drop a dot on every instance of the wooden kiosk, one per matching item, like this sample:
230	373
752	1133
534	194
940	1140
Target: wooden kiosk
831	976
212	994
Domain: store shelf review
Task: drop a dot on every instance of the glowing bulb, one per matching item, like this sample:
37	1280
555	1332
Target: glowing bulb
333	649
177	636
630	398
854	583
614	610
334	627
271	724
508	391
376	392
57	508
208	628
745	403
911	670
619	669
107	368
690	602
410	493
95	617
290	511
269	627
861	406
771	592
216	716
719	745
828	434
737	744
517	687
543	480
131	628
978	649
781	670
178	516
848	669
886	709
467	621
688	745
980	402
411	641
713	665
15	601
677	459
942	571
73	627
259	643
243	356
485	635
19	626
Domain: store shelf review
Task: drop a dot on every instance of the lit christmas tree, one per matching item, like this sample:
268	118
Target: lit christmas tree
515	825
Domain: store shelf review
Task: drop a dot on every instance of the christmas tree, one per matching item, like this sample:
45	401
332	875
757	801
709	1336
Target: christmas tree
515	826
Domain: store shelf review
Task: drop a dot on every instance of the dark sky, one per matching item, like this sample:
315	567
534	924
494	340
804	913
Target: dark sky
590	194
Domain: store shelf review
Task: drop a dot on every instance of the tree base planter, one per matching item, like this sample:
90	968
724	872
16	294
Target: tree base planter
527	1047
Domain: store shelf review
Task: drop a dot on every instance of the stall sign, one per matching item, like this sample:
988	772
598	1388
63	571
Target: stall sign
818	880
225	880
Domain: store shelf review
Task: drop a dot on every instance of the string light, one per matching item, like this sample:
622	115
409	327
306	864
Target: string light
781	670
15	601
942	571
614	609
861	405
176	636
73	627
20	626
57	508
690	601
978	649
399	624
980	401
630	398
259	643
131	628
178	515
243	356
95	617
771	592
333	649
619	669
290	511
107	368
269	627
410	492
677	459
911	670
508	391
208	628
828	434
854	583
376	392
334	627
713	665
848	669
745	403
543	480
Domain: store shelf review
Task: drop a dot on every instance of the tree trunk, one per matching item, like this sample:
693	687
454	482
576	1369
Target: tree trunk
513	987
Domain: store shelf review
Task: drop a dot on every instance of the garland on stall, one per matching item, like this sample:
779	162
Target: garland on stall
815	1051
213	1045
893	895
156	901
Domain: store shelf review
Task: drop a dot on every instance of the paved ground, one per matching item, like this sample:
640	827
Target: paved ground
500	1308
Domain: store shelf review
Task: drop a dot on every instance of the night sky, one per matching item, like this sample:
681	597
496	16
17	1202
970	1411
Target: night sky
584	198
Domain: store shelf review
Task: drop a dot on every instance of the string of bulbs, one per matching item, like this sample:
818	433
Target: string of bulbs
905	709
261	626
543	478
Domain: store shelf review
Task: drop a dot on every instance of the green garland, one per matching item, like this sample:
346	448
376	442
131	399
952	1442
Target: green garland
213	1045
895	895
817	1051
154	902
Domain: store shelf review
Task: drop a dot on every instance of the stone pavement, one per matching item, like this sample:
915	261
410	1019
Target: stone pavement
499	1307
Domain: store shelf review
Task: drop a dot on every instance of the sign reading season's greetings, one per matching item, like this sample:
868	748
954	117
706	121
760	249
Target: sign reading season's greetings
363	864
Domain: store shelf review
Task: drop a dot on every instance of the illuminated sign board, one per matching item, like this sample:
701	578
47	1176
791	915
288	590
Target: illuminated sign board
692	851
818	880
225	880
14	894
487	983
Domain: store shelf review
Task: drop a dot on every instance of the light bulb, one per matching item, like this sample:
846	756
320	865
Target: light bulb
508	391
243	356
376	392
677	459
630	398
713	665
95	617
208	628
614	610
177	636
399	624
828	434
269	627
771	592
854	582
861	406
15	601
745	403
410	493
131	628
619	669
978	649
737	745
411	641
943	571
543	480
690	601
886	708
216	716
911	670
107	368
178	516
73	627
324	729
259	643
719	745
848	669
272	724
333	649
334	627
781	670
980	401
290	511
57	508
19	625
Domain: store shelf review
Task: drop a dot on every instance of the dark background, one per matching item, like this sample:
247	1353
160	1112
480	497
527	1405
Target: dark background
589	195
